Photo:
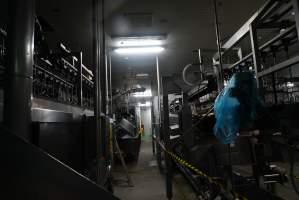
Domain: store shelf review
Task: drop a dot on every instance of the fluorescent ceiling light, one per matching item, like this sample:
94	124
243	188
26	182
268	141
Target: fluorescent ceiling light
139	50
142	75
146	104
139	42
147	93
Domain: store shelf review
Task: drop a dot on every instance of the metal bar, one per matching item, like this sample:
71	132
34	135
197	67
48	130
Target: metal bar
81	81
158	87
275	18
123	163
17	111
53	75
110	85
246	27
265	45
218	46
200	65
278	37
87	70
240	61
87	79
279	66
166	136
279	25
244	30
69	64
158	128
271	9
106	85
255	49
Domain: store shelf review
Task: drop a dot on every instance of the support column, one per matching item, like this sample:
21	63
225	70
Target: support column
97	89
18	75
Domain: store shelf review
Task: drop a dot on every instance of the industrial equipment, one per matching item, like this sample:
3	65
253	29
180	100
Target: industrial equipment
126	128
260	160
62	102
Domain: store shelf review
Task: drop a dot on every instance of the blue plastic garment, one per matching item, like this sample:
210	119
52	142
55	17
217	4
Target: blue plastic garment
236	106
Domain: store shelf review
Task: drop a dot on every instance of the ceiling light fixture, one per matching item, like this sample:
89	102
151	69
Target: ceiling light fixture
142	75
146	104
140	50
139	42
147	93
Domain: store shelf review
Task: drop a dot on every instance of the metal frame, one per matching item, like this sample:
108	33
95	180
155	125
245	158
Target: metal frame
259	21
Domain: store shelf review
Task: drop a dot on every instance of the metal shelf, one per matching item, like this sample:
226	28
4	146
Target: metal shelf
53	75
280	66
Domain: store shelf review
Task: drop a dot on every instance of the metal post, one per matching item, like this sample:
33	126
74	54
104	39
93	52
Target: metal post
110	85
18	75
107	85
255	49
109	106
218	46
81	81
200	65
159	88
158	128
103	102
166	136
96	72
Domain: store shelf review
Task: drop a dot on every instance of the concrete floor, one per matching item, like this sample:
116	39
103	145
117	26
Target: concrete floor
149	184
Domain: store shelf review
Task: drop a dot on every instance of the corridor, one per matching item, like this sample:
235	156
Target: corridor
148	183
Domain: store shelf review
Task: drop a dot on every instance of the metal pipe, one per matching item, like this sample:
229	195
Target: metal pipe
96	72
201	65
18	75
107	85
87	70
81	80
110	85
103	102
158	89
255	49
158	128
218	45
166	136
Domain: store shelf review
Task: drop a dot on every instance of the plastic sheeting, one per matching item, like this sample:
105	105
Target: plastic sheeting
236	106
